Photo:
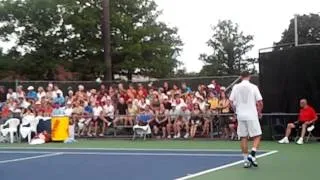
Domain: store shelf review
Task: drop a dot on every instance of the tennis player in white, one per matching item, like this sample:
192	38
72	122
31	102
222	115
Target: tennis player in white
247	102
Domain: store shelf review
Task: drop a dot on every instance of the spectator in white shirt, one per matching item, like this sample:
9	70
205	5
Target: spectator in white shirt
41	93
23	103
20	92
97	117
11	94
142	103
68	109
56	91
108	110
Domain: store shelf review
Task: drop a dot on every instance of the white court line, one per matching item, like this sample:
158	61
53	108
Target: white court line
221	167
29	158
124	154
125	149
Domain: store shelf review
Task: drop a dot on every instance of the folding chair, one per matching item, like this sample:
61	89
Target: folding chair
309	132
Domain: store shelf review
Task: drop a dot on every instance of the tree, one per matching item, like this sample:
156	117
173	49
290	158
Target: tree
308	30
183	73
229	46
68	33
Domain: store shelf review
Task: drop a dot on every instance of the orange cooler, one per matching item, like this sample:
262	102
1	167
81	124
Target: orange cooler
59	128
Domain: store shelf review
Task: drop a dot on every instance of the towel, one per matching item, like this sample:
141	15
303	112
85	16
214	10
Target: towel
146	128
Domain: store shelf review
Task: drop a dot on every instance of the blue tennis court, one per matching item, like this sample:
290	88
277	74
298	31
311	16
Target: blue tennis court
116	164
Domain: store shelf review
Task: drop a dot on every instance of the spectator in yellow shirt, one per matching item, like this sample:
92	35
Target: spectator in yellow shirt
224	107
213	102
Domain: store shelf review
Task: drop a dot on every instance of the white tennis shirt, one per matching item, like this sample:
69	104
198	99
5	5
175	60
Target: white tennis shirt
245	96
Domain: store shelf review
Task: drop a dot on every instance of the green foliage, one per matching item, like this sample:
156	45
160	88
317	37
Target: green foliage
308	30
68	33
229	46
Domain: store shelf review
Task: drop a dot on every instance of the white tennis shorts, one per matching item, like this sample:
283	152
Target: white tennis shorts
249	128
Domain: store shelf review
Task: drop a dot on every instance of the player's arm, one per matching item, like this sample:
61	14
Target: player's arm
315	117
259	100
232	98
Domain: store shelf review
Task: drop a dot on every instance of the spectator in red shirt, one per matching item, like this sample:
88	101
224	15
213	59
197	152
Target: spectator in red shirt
142	91
307	117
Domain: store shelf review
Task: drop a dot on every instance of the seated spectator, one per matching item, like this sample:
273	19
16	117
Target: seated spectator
307	117
3	96
224	108
57	110
81	94
37	107
132	112
121	112
41	93
185	88
161	121
68	109
142	91
142	102
154	100
59	99
78	110
84	122
23	103
173	115
47	109
195	120
5	113
93	96
32	94
182	122
49	94
205	121
20	92
233	127
11	94
167	104
107	119
56	91
144	117
27	115
70	97
131	92
98	115
214	87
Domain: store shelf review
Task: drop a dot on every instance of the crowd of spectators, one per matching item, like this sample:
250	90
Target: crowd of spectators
175	111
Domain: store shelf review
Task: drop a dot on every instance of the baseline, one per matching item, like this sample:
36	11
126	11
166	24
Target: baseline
124	149
222	167
30	158
222	154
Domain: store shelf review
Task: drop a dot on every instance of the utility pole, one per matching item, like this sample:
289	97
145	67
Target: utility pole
296	35
106	39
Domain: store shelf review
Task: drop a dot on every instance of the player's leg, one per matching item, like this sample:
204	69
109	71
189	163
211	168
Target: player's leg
243	134
290	126
254	132
304	127
169	129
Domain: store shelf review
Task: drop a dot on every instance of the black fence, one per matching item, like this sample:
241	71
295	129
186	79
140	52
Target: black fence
288	75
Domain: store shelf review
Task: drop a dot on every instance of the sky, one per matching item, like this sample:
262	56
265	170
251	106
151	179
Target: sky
265	20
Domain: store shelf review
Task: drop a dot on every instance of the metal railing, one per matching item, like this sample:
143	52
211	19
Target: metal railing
273	124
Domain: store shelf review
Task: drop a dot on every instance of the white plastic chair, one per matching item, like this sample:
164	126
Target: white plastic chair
12	128
29	124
